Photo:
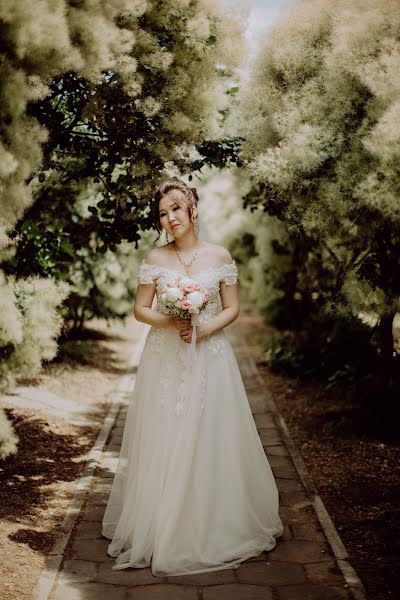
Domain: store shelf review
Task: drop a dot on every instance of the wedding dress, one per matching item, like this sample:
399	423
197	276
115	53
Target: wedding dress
193	491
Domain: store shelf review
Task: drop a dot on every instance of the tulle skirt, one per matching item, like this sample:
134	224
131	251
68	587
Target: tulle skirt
193	491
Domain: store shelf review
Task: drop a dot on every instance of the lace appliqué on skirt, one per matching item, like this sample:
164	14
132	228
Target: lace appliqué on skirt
157	338
215	343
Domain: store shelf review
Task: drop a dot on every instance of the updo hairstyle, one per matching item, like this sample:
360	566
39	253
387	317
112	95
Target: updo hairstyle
189	200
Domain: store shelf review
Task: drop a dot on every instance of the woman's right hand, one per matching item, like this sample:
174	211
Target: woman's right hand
179	323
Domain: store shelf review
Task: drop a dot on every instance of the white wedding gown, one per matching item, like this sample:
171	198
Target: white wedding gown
193	491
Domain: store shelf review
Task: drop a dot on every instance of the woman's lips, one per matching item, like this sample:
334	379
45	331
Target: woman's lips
177	225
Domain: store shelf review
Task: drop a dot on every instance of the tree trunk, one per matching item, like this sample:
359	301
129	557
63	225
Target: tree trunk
386	344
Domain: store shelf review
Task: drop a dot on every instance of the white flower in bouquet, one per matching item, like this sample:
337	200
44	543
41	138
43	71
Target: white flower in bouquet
174	294
196	299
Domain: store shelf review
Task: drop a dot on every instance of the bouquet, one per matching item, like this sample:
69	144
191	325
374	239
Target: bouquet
184	297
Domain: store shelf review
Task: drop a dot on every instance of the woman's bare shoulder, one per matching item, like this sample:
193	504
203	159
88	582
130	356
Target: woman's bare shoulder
158	256
220	254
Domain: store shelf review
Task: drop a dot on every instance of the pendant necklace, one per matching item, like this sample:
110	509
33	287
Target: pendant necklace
189	264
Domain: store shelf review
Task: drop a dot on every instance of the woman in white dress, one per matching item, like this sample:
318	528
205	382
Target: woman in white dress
193	491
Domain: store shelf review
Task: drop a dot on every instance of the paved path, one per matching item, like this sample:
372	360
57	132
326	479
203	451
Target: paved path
301	567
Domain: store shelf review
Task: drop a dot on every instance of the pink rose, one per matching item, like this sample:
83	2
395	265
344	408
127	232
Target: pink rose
190	287
186	305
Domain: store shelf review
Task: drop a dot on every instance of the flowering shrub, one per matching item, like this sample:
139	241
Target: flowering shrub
29	325
321	118
95	95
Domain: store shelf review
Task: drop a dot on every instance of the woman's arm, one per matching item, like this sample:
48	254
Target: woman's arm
229	313
142	309
144	313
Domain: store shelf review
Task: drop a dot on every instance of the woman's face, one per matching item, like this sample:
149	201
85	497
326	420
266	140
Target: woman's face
174	217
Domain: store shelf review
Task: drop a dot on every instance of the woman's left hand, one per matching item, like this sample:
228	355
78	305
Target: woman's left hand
187	331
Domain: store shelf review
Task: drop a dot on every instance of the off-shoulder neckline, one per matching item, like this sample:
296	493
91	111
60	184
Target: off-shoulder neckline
211	269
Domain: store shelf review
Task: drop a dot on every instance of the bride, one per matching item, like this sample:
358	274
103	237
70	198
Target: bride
193	491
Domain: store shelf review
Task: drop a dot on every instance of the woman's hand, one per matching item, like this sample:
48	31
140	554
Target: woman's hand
185	329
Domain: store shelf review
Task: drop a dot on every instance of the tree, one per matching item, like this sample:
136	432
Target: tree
113	139
103	94
322	122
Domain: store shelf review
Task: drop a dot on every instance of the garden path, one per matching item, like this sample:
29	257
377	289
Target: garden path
308	563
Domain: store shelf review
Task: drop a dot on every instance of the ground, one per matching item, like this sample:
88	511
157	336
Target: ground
39	481
357	476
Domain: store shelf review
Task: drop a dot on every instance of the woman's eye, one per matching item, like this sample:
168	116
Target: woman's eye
176	208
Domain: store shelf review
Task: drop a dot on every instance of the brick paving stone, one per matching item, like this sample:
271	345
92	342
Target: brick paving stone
105	481
324	572
296	515
93	513
286	535
292	498
258	402
89	591
262	556
163	591
288	485
238	591
276	450
93	550
299	551
105	472
118	430
269	437
271	573
97	500
127	577
265	421
280	461
307	531
101	486
99	495
109	462
312	592
79	571
284	472
250	383
114	449
203	579
88	530
116	438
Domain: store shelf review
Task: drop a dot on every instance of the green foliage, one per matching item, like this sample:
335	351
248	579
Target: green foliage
334	349
8	439
320	118
97	100
29	325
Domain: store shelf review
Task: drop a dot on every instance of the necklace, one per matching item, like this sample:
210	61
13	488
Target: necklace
185	264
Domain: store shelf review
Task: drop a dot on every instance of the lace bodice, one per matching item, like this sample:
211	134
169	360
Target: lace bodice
209	278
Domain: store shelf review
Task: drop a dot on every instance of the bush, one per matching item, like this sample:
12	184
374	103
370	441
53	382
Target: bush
8	439
29	325
335	349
